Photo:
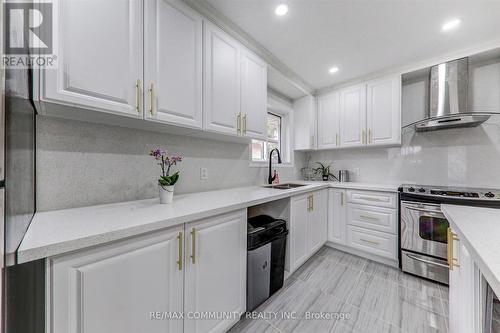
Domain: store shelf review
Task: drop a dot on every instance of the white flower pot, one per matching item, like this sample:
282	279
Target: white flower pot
166	194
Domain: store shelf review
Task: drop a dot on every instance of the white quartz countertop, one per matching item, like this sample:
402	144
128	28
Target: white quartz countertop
56	232
479	229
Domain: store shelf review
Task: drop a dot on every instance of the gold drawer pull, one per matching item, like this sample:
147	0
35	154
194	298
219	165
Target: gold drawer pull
138	95
193	246
245	124
371	199
151	99
179	261
369	241
370	218
451	237
238	123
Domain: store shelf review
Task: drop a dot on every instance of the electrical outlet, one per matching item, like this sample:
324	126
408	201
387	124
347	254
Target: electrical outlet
356	171
203	173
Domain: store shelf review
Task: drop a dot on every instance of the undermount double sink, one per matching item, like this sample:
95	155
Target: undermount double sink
286	186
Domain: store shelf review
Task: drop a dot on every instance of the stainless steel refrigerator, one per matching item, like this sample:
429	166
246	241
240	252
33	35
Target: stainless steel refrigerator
23	295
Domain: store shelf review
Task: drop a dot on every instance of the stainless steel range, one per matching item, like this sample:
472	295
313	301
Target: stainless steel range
424	228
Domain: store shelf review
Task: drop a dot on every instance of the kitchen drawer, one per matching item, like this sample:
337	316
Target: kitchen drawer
374	242
375	218
379	199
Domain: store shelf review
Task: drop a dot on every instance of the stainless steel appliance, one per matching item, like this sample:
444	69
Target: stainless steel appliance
343	175
423	227
448	93
22	285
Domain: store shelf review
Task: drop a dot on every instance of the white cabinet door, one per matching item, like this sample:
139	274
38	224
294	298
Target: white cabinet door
253	95
299	244
336	215
463	292
99	61
384	111
304	113
353	116
317	221
173	62
114	288
221	81
216	270
329	121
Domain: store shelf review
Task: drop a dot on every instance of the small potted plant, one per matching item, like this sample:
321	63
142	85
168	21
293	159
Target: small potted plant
324	171
166	181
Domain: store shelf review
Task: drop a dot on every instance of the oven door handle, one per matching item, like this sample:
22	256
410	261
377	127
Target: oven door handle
429	211
425	260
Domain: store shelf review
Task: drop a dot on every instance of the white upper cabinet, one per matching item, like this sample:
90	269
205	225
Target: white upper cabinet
353	116
100	64
173	63
329	121
383	112
222	72
304	113
253	95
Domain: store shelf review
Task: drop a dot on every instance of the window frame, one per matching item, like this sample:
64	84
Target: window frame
285	112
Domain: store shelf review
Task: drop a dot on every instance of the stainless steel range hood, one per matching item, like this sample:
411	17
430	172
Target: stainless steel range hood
448	98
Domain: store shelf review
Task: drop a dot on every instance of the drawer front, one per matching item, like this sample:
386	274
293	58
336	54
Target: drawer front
375	218
375	242
379	199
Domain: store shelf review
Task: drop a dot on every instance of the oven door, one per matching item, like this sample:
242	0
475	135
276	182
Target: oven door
423	228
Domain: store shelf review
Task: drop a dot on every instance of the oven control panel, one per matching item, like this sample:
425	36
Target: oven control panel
477	194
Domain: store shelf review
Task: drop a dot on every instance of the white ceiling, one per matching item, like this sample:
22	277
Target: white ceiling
361	36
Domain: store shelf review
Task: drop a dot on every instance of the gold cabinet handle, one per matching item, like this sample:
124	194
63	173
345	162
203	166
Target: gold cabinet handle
179	261
363	137
342	198
312	202
451	237
370	136
138	93
336	139
369	241
245	124
193	246
238	123
309	203
151	99
370	218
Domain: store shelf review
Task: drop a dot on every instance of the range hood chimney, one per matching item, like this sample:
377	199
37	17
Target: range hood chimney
448	98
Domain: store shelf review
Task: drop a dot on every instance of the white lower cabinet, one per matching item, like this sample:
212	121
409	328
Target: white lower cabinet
463	291
336	215
374	242
365	221
308	226
216	253
115	288
130	286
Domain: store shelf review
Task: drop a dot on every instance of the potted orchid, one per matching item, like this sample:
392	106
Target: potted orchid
166	181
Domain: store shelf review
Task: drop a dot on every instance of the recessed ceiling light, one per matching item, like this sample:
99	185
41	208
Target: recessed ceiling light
333	70
281	10
451	24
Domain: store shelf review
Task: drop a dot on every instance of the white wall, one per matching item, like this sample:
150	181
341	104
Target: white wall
80	164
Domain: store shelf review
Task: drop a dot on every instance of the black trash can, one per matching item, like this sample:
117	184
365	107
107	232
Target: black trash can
266	246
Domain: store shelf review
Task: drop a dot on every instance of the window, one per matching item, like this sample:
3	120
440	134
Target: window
261	149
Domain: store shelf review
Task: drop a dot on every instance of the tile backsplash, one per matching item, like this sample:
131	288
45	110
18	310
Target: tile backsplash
81	164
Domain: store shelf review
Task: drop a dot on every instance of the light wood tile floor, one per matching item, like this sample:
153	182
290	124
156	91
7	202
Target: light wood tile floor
353	295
